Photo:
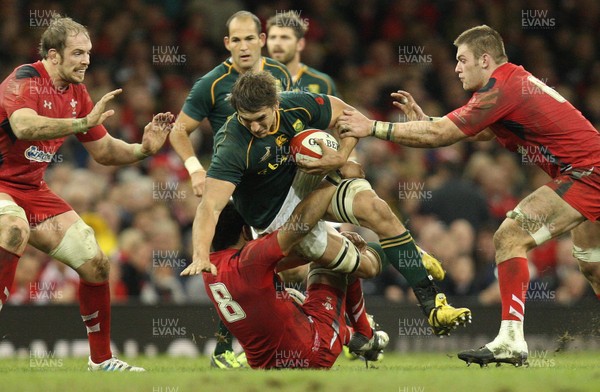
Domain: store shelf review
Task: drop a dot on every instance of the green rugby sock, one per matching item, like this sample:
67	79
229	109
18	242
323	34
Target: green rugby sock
376	247
402	253
224	340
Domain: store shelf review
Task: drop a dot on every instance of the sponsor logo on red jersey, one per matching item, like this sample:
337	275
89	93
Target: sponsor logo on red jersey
33	153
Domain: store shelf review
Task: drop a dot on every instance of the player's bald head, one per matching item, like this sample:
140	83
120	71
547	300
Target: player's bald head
483	39
244	16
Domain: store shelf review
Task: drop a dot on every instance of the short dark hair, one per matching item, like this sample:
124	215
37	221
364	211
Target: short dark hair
483	39
288	19
55	36
228	229
253	91
242	15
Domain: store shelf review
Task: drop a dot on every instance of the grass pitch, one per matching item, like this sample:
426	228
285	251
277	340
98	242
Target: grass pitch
396	373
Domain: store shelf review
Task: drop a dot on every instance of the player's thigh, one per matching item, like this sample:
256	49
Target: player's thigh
586	235
543	215
14	227
586	249
334	243
48	234
69	240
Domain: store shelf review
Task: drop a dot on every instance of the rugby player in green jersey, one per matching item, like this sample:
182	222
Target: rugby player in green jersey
252	162
208	100
285	42
208	97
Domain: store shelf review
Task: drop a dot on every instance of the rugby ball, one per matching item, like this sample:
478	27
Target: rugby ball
304	145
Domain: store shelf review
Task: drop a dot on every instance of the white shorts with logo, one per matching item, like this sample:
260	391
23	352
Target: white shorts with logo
314	244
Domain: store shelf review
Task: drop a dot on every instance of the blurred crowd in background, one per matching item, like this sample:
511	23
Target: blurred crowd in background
452	198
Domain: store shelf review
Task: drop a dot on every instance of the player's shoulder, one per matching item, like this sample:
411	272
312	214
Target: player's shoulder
509	73
30	73
310	71
232	132
27	71
218	73
294	99
223	257
275	66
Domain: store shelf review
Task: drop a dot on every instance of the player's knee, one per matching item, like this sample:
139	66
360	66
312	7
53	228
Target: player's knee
101	267
591	271
347	259
587	255
342	203
367	269
507	235
79	250
15	232
14	228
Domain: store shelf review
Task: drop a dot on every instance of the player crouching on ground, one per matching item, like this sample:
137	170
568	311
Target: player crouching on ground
274	330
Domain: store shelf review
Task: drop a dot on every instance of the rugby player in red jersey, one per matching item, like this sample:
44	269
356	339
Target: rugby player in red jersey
40	105
274	330
528	117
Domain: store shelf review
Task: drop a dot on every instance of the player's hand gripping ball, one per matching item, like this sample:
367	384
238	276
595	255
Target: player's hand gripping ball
304	145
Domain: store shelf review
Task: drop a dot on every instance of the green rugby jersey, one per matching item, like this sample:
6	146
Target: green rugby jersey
262	169
208	97
313	81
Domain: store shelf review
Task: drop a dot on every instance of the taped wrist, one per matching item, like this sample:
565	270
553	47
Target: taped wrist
192	164
139	154
382	130
80	125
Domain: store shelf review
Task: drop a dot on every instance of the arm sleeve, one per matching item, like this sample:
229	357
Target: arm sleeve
199	101
20	94
483	109
94	133
318	107
263	253
281	73
228	162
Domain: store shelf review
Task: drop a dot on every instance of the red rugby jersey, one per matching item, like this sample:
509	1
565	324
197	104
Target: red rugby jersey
23	162
529	117
249	300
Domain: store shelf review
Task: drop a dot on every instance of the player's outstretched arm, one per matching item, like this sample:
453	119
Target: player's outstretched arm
404	101
28	125
216	196
304	217
413	112
180	141
425	134
110	151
